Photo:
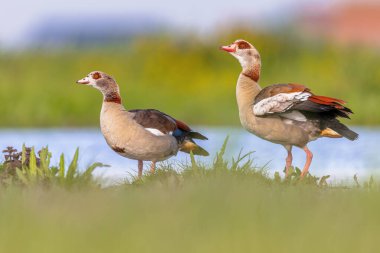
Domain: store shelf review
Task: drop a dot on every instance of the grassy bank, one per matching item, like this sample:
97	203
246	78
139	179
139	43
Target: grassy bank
229	206
220	214
180	76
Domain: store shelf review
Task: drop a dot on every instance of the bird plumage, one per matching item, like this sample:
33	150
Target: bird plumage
143	135
288	114
286	99
165	124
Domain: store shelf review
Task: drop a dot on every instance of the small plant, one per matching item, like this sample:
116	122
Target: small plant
28	168
12	160
294	178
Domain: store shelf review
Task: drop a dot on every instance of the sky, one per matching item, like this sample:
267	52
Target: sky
19	17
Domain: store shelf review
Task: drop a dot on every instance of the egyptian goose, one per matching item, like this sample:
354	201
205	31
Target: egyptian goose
142	135
287	114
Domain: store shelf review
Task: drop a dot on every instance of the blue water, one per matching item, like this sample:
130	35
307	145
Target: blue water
339	158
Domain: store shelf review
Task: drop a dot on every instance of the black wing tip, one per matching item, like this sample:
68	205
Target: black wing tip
201	152
352	136
346	132
189	146
196	135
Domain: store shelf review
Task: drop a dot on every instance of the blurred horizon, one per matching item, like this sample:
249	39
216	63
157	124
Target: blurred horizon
169	52
59	24
45	22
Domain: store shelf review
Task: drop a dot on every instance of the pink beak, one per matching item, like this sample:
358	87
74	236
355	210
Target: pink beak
84	81
231	48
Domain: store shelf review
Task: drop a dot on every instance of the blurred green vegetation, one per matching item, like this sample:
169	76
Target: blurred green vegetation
229	206
220	215
186	77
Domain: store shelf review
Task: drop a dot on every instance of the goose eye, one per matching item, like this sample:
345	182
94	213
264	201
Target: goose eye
96	75
243	45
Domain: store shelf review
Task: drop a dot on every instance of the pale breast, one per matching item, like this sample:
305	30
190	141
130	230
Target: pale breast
131	140
271	128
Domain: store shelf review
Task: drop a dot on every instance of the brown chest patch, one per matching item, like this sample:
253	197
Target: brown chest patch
117	149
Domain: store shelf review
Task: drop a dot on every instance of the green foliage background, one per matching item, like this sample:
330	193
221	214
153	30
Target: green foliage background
184	76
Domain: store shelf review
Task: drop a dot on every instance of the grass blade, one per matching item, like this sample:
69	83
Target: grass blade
73	167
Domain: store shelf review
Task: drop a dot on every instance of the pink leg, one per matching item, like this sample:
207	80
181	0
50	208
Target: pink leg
153	167
140	166
289	160
309	158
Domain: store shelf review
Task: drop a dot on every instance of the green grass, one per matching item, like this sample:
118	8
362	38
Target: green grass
222	214
229	206
179	75
29	168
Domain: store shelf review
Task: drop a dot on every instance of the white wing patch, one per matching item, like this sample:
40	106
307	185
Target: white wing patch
155	131
279	103
294	115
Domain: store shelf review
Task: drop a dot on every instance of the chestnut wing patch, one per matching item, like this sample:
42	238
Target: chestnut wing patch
155	121
279	98
294	101
275	89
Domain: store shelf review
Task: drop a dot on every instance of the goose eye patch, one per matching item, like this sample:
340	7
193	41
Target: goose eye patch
96	75
243	45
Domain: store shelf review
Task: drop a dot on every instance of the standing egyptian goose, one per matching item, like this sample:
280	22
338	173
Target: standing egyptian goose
142	135
287	114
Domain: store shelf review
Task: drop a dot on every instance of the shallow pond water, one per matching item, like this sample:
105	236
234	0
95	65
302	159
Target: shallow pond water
339	158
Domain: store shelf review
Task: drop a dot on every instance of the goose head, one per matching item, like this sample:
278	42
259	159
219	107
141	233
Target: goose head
247	55
105	83
101	81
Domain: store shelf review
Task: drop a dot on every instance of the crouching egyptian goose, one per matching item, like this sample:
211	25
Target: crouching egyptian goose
143	135
288	114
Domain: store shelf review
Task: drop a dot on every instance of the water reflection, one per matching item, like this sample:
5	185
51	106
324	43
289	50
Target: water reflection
338	157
